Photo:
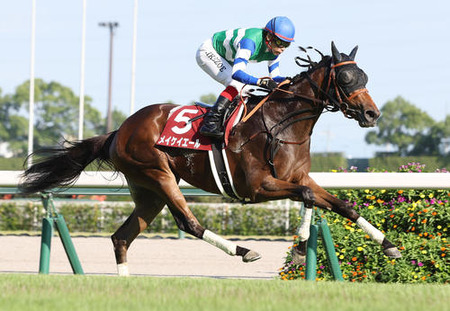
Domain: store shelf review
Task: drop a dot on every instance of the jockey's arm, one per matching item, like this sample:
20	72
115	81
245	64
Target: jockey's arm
245	50
274	70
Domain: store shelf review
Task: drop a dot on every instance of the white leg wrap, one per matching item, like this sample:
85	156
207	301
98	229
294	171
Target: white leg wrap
303	231
122	269
219	242
373	232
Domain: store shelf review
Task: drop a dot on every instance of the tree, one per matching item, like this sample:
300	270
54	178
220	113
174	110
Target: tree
402	125
432	144
56	116
13	128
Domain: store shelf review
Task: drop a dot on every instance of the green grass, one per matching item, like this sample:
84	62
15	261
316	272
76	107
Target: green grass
56	292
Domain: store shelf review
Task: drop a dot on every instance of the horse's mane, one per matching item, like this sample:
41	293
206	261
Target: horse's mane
309	64
304	63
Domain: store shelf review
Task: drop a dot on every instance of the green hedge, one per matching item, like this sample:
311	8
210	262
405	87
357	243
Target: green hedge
324	162
93	217
391	163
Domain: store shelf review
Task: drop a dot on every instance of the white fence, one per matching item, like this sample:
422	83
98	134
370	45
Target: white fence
325	180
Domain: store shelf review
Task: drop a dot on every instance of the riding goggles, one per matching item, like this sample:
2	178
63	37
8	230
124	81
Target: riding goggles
280	43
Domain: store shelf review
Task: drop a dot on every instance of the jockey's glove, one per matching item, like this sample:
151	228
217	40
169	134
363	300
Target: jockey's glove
267	83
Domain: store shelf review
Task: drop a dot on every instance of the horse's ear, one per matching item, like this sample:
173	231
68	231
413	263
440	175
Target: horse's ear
337	58
353	53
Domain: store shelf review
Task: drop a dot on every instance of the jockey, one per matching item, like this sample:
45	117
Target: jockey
225	57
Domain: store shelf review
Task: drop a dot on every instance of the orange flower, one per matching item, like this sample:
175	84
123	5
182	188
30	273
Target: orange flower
413	228
413	220
434	213
443	249
411	214
380	201
392	216
401	191
354	259
443	255
424	221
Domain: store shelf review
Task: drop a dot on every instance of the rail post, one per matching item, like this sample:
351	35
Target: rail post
311	253
54	219
328	243
321	228
46	241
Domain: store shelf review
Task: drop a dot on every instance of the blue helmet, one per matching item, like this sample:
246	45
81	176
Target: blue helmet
282	27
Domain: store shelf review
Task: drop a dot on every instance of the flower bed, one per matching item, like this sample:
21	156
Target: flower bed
417	221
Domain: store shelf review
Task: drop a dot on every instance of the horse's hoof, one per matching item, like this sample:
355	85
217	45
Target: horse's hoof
297	257
251	256
298	253
122	269
392	252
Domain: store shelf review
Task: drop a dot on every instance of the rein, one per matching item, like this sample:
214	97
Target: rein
330	104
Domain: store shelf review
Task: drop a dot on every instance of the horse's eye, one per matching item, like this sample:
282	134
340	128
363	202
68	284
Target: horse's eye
345	77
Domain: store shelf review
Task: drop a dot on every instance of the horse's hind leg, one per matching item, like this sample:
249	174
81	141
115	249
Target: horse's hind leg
147	206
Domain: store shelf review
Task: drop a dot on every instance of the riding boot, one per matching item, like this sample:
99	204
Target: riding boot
213	122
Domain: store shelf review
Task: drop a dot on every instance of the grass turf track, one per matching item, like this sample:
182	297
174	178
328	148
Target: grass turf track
57	292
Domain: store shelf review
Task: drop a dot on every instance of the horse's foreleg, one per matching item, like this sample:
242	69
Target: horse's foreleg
327	201
273	189
299	251
187	222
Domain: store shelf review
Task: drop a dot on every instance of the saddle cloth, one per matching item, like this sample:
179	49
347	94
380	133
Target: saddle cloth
183	124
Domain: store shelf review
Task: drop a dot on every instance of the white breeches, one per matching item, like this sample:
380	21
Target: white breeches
216	66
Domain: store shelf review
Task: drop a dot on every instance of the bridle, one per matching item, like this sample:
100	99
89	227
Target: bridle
341	96
331	103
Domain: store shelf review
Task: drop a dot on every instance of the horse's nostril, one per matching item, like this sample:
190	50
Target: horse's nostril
371	115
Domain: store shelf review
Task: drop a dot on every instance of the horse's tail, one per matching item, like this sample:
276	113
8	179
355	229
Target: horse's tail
62	166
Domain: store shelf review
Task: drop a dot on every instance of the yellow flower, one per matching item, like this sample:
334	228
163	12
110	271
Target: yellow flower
370	207
341	257
439	227
424	252
359	248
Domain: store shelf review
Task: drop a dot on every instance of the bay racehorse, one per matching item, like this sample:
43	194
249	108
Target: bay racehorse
269	157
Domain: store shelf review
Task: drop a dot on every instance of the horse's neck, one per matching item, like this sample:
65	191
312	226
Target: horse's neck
301	112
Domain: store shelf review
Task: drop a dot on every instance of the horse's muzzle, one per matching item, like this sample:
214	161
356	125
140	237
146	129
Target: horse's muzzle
367	117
